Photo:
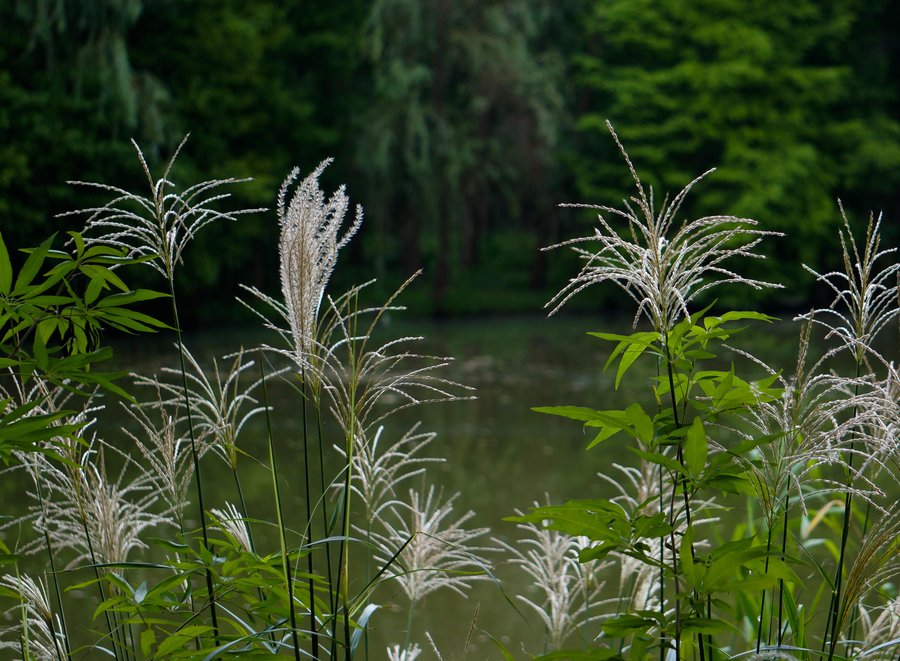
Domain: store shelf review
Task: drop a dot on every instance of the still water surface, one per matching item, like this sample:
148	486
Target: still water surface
500	455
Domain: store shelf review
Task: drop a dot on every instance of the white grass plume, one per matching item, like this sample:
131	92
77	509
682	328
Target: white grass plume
165	451
410	653
811	424
865	293
97	518
881	630
439	551
233	523
308	247
160	224
568	592
368	382
34	612
221	403
378	471
662	268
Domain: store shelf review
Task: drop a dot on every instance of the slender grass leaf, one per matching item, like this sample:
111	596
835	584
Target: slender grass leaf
6	271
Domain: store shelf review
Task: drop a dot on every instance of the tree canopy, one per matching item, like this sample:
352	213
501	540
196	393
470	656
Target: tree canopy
459	124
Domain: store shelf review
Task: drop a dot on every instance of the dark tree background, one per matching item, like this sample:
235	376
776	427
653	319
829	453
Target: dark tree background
458	124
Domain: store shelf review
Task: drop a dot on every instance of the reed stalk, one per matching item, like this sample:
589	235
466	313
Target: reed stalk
282	537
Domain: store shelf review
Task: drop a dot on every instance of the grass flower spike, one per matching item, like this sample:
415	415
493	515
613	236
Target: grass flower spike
309	245
160	224
439	554
865	298
40	626
660	267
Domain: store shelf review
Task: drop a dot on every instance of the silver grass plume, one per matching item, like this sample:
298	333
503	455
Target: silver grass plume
881	633
865	292
308	249
166	453
810	425
377	471
876	563
879	422
160	224
222	405
410	653
34	612
638	581
233	523
438	552
106	522
567	591
367	382
660	267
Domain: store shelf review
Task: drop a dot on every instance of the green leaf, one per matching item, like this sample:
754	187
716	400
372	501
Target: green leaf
574	412
95	286
178	640
148	640
6	271
593	519
127	298
626	624
660	459
641	423
140	593
695	448
32	265
704	625
737	315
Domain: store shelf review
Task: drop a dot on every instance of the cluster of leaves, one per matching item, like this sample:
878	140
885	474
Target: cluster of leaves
690	400
50	323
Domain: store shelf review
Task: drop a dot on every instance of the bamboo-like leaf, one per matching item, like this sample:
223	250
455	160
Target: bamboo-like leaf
695	448
6	271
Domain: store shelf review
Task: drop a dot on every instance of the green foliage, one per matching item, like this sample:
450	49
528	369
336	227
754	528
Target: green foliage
51	318
766	93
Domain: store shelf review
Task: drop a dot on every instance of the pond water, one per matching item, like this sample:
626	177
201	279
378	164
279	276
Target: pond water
499	454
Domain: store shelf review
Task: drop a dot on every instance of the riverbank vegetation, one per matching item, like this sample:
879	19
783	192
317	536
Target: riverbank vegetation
756	518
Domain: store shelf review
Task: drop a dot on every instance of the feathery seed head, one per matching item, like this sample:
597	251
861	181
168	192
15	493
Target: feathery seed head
308	248
160	224
234	524
568	591
866	293
99	519
438	553
45	642
660	267
378	471
395	653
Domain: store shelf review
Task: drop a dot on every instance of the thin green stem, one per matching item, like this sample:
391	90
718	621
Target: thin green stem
787	506
313	626
62	611
100	589
285	561
326	526
762	605
409	623
195	458
835	606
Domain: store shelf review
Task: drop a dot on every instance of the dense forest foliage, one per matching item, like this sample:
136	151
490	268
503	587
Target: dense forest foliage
458	124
